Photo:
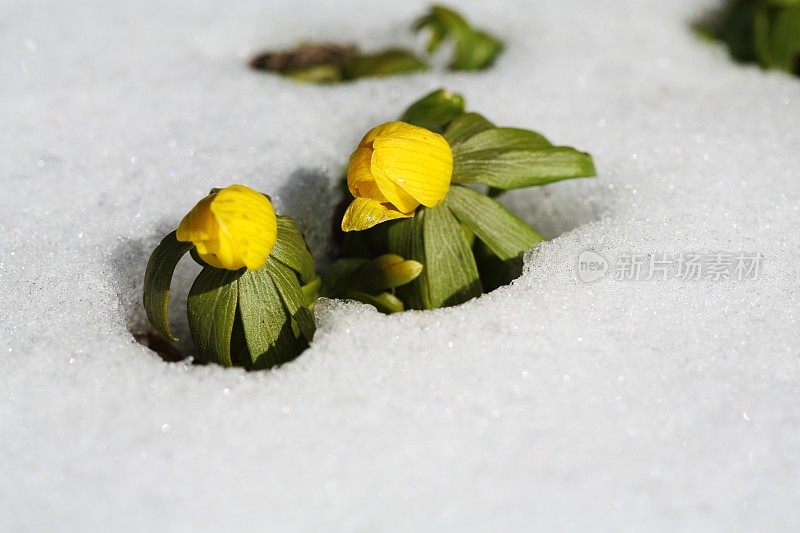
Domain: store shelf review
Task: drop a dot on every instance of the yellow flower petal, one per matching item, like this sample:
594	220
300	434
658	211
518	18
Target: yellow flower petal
393	192
216	253
417	161
395	127
197	225
364	213
398	167
359	176
233	228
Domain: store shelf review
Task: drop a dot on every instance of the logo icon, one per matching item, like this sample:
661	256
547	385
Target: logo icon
591	266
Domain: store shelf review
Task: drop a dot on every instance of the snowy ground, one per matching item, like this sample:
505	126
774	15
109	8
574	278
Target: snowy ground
550	405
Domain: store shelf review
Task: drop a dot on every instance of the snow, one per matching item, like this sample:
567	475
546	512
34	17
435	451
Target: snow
551	404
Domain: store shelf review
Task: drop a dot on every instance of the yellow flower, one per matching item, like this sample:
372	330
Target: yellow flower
232	228
395	168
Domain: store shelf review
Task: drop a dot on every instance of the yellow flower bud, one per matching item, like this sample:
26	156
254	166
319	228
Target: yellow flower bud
232	228
395	168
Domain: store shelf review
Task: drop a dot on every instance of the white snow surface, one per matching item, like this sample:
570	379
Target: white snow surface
549	405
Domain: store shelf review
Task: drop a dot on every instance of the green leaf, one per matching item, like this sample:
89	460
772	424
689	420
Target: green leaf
784	3
311	292
338	278
761	37
211	312
494	271
473	49
516	168
503	139
509	158
435	110
291	249
762	31
387	271
366	280
385	63
157	278
465	126
435	238
450	269
784	40
240	355
485	49
384	302
292	295
437	27
267	324
325	73
405	238
309	62
505	234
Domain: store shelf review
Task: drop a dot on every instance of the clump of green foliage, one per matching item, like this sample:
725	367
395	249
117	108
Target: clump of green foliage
766	32
472	49
333	63
469	243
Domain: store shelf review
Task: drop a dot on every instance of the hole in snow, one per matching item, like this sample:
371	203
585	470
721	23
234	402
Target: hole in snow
311	197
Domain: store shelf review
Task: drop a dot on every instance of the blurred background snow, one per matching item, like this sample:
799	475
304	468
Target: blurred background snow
550	404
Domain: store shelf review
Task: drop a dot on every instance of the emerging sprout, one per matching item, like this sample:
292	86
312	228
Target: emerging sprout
429	198
250	306
473	49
